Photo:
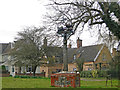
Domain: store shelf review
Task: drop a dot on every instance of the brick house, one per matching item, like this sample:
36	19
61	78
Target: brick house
94	57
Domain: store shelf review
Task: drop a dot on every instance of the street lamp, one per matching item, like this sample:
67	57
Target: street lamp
65	32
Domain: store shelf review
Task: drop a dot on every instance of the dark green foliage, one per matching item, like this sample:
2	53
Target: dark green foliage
93	73
114	66
87	74
10	75
112	25
16	76
24	76
80	63
3	67
109	8
102	73
34	77
113	73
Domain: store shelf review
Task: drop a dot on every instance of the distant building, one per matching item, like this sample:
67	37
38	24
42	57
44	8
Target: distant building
5	57
94	57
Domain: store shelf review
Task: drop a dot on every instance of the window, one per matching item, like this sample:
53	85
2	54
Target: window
88	64
42	70
103	57
29	69
89	69
12	68
74	69
74	57
7	68
58	70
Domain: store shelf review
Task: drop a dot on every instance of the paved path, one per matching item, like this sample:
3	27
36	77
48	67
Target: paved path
84	79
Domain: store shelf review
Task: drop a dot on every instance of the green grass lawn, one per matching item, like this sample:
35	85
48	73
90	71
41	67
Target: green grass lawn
99	84
10	82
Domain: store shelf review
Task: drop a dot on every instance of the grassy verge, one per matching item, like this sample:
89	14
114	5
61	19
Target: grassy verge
10	82
0	83
99	84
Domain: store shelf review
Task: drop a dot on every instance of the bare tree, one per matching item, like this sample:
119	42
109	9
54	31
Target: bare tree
30	49
108	38
27	48
80	13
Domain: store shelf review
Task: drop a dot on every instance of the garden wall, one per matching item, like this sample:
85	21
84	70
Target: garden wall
4	74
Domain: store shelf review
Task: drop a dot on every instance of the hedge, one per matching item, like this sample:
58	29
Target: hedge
98	73
24	76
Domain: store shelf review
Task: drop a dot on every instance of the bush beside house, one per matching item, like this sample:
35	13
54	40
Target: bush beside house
98	73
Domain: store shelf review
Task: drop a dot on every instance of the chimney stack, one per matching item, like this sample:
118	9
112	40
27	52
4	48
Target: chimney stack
69	46
114	52
79	43
45	41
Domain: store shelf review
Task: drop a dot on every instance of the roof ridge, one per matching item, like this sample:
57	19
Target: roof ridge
93	45
99	52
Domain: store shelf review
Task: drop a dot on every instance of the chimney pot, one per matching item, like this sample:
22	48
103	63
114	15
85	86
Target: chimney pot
69	46
79	43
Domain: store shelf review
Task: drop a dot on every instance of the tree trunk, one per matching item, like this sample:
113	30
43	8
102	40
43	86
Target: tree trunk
34	69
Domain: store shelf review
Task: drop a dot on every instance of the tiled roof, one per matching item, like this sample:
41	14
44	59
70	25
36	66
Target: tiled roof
7	49
55	51
4	46
87	53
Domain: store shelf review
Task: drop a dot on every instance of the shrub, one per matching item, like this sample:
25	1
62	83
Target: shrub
3	67
10	75
16	76
98	73
24	76
94	73
82	74
102	73
86	74
114	73
34	76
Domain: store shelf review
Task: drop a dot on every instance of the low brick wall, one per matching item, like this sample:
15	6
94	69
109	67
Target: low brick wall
31	74
4	74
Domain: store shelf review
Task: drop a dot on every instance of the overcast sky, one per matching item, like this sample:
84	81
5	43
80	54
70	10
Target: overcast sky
17	14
